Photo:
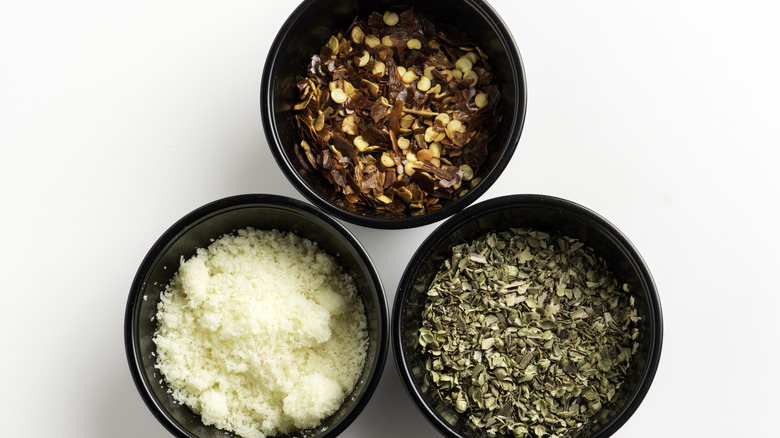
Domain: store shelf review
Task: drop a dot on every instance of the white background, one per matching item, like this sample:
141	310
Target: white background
118	118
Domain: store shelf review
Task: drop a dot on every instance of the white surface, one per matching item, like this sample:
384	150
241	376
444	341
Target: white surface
117	118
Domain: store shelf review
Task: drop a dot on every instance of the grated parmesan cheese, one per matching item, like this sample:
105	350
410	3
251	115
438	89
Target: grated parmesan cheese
261	333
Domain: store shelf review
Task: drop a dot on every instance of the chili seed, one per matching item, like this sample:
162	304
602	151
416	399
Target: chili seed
390	18
379	68
472	77
435	149
338	95
468	172
364	58
372	41
463	64
481	100
424	84
424	155
357	35
387	160
360	143
409	77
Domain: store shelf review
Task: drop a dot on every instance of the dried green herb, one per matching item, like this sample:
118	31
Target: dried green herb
527	334
397	114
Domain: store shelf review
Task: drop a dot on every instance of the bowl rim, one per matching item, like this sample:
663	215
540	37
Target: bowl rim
285	162
508	202
132	352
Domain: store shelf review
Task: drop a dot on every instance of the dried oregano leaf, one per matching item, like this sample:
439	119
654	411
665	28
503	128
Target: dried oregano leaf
527	334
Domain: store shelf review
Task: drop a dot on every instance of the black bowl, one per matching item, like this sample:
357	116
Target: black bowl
197	230
306	31
543	213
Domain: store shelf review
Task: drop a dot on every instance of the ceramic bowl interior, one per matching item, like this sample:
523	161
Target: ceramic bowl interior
308	29
543	213
197	230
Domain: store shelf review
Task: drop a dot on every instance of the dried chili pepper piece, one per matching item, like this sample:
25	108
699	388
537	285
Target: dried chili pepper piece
393	109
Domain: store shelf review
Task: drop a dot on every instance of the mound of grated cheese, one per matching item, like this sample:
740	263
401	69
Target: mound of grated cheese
261	333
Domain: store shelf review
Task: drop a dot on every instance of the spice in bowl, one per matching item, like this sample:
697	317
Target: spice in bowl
397	114
527	334
261	333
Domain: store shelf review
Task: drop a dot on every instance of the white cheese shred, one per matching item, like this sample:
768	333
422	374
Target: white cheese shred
261	333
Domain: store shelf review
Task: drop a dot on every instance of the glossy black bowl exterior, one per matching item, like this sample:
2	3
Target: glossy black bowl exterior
544	213
197	230
308	29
